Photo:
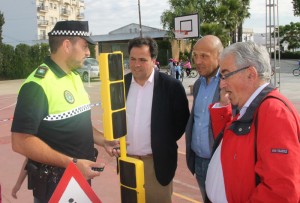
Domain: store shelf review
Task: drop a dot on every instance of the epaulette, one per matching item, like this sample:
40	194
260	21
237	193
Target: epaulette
41	71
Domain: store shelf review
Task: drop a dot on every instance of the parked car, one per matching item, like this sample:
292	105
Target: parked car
90	68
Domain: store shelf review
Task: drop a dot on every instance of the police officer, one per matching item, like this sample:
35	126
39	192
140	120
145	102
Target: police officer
52	121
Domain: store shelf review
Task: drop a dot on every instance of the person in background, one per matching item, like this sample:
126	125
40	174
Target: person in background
52	121
20	180
171	67
177	70
199	136
257	151
157	112
157	65
188	67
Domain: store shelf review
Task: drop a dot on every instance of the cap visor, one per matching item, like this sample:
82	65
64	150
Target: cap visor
89	40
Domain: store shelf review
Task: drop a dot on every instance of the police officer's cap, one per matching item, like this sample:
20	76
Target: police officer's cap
72	28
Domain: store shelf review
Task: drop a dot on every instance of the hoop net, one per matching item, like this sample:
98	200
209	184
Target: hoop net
180	34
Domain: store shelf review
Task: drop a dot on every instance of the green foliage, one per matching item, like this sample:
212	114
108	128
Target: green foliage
19	62
288	55
2	21
184	55
296	6
165	51
217	30
224	15
7	61
290	33
22	60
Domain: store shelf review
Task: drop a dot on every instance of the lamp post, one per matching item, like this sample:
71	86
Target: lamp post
141	35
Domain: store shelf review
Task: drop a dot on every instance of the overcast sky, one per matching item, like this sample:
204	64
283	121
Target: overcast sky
107	15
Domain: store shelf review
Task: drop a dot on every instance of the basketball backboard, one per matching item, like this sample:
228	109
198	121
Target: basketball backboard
186	26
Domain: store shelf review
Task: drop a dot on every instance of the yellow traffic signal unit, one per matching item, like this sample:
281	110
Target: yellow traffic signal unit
114	125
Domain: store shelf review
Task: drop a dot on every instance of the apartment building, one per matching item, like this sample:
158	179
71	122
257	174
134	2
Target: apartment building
29	21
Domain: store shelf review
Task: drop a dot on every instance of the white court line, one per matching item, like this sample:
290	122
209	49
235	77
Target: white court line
186	198
8	106
185	184
9	97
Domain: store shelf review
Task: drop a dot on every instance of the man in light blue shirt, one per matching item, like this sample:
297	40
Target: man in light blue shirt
199	137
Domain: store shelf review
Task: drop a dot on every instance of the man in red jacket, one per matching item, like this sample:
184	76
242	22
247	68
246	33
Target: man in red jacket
257	157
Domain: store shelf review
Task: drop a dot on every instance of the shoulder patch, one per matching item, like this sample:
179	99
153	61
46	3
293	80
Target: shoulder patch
41	71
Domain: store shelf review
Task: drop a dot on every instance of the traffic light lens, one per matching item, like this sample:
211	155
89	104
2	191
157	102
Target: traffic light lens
117	96
115	67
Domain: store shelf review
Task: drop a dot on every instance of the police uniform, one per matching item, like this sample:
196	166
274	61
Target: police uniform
55	107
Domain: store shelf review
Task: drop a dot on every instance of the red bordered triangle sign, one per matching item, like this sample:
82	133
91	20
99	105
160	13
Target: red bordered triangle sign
73	187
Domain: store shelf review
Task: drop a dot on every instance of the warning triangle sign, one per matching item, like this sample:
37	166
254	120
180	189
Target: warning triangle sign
73	188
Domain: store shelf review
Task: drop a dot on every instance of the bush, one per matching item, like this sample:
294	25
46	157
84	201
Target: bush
6	61
19	62
164	52
288	55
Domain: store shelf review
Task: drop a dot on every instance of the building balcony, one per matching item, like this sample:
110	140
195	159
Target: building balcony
74	2
80	3
43	22
42	8
66	1
65	12
42	36
80	15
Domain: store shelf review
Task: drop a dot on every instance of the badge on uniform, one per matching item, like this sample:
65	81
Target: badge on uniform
41	71
69	97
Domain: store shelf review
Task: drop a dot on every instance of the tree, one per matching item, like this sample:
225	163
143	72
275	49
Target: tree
7	65
222	15
22	60
296	6
1	53
2	21
38	53
291	34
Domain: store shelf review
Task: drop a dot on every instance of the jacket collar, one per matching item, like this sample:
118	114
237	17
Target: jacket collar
243	125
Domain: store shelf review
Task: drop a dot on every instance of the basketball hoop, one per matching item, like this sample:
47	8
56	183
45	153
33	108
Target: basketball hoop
180	34
186	26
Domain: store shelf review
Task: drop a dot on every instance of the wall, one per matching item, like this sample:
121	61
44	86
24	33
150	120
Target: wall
180	45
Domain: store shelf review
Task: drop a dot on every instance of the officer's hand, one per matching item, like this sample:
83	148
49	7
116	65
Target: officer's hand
89	169
112	147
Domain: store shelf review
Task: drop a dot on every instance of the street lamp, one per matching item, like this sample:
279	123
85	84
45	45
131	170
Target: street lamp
141	35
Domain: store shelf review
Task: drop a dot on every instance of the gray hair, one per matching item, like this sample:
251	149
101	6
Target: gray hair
250	54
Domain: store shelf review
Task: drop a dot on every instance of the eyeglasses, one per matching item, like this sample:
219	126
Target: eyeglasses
225	76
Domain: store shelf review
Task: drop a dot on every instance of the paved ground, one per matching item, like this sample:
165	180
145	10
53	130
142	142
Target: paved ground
107	185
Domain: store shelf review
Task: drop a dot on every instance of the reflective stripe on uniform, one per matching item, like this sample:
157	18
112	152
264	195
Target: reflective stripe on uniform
68	114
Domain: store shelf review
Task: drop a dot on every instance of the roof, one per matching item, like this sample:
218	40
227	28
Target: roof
130	31
127	36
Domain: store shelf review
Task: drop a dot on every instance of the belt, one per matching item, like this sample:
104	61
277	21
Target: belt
147	156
